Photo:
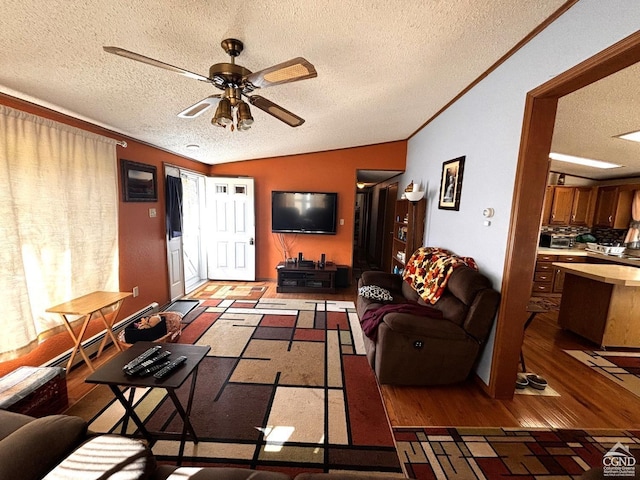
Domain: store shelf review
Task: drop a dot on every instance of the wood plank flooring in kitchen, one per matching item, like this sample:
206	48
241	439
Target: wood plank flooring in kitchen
587	399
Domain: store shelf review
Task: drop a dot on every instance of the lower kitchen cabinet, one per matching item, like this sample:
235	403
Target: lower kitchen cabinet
548	280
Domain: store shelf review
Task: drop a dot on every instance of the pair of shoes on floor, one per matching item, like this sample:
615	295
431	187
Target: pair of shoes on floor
530	380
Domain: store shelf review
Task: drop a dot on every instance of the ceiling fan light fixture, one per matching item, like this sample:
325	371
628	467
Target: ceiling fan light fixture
236	81
245	120
223	113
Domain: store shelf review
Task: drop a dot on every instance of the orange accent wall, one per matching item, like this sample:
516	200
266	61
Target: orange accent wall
331	171
143	256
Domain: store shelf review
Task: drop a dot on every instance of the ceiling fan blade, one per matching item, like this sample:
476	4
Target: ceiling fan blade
290	71
275	110
199	108
156	63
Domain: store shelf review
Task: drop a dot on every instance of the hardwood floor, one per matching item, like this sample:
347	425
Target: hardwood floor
587	399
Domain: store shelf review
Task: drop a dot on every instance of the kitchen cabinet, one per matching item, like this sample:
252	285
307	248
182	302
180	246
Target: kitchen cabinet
613	207
548	280
561	205
408	231
581	207
546	206
567	206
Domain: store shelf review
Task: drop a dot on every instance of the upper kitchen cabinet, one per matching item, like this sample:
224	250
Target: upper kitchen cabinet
581	210
561	205
613	207
546	207
567	206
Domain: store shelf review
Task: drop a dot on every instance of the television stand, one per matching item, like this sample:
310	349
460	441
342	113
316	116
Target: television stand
293	278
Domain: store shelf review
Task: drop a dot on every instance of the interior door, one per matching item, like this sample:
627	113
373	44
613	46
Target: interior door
389	211
231	253
174	254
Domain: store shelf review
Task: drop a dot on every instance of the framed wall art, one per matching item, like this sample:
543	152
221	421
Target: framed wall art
139	182
451	184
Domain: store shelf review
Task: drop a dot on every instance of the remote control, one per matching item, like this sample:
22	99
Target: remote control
154	368
169	368
148	363
142	357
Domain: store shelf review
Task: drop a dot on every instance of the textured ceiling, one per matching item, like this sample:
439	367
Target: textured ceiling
588	120
384	66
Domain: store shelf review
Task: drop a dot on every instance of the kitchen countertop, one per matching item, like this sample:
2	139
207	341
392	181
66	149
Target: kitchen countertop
633	261
602	272
581	252
574	252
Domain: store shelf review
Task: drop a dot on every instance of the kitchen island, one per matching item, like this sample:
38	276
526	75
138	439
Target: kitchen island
601	302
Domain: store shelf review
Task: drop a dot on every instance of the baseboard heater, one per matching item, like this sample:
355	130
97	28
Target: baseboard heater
92	344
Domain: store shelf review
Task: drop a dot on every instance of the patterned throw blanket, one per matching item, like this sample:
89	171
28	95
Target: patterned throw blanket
429	268
373	317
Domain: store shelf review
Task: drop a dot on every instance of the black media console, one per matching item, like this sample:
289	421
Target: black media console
294	278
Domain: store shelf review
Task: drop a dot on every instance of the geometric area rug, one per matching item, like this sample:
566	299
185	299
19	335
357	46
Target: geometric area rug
285	387
622	367
217	290
514	453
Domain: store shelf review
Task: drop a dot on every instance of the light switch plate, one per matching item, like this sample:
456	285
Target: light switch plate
152	213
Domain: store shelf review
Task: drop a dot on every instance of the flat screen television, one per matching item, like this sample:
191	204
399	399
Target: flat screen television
304	212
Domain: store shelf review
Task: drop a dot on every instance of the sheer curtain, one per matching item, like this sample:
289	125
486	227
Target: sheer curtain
632	240
58	219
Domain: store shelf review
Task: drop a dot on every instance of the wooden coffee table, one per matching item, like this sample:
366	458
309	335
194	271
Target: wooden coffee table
113	375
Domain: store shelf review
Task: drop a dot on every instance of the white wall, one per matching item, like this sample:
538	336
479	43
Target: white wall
485	126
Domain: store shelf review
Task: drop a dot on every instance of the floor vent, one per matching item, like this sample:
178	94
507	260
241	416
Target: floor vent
91	345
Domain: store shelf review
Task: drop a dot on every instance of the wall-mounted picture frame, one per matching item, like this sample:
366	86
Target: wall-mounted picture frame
139	182
451	184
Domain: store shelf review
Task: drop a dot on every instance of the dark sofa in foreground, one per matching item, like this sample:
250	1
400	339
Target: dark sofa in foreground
59	447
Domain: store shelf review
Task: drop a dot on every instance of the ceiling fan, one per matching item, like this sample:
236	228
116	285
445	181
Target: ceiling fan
236	81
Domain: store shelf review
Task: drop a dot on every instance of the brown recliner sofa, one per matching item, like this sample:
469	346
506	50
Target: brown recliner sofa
417	349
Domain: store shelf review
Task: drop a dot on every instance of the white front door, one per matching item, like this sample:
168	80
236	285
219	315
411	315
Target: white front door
231	251
174	255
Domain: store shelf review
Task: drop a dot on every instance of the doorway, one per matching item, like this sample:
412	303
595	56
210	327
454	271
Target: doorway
531	178
194	254
388	212
186	255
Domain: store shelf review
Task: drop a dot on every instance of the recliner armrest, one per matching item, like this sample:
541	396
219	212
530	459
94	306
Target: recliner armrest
389	281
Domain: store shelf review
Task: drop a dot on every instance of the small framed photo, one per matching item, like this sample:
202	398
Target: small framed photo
139	182
451	184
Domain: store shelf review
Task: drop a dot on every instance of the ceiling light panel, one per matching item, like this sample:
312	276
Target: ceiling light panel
587	162
633	136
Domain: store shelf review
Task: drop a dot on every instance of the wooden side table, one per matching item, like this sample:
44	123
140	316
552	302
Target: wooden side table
86	306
